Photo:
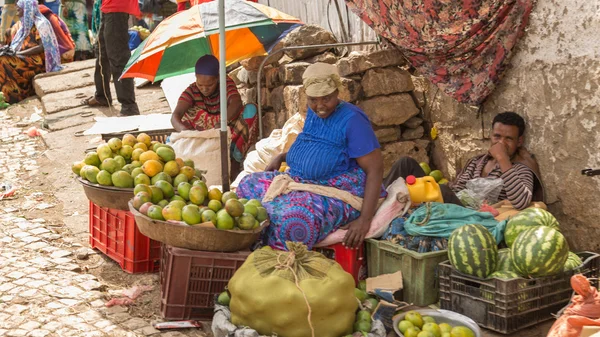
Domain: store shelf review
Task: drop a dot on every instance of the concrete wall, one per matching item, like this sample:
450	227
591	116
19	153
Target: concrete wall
554	83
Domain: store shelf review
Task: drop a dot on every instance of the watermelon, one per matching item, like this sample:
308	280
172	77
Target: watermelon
472	250
539	251
504	275
504	261
531	217
573	261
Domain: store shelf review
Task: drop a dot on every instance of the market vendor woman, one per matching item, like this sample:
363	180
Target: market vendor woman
338	152
199	105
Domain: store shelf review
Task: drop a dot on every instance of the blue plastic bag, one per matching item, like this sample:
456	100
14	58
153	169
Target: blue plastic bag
440	220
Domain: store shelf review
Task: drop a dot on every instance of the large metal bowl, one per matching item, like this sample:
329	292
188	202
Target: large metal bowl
107	196
199	237
442	316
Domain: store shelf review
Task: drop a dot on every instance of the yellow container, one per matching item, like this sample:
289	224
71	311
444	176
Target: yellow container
424	189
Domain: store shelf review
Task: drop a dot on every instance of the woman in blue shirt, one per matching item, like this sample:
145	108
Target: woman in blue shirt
337	148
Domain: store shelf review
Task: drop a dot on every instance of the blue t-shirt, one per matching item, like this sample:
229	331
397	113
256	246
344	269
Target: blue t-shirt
329	147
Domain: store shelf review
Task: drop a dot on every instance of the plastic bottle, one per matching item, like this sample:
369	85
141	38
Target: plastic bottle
424	189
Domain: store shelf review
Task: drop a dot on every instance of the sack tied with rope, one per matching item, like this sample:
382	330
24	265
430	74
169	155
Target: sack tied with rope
294	293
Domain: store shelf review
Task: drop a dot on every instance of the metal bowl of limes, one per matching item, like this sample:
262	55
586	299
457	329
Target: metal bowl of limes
203	236
107	196
441	316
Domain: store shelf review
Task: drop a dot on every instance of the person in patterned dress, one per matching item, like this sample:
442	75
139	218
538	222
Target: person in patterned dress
75	15
32	50
198	108
337	148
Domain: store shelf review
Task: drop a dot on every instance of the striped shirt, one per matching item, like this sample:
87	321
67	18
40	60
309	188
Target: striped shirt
210	104
518	180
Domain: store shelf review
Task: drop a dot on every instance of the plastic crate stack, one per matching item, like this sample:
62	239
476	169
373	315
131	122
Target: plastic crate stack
507	306
114	233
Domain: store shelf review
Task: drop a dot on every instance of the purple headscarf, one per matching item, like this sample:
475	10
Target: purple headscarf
207	65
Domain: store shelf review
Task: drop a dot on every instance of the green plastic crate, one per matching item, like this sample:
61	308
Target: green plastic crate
419	270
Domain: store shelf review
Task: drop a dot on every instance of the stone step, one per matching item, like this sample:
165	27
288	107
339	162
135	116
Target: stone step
70	67
73	117
64	100
66	82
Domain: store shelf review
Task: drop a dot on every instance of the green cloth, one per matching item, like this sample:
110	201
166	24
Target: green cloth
440	220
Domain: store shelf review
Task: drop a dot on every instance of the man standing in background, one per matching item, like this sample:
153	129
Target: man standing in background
113	44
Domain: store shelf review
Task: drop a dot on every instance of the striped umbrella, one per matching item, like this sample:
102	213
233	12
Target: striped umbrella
176	44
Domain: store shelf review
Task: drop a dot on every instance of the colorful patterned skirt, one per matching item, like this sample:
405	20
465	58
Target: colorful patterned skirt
16	76
303	216
244	129
77	21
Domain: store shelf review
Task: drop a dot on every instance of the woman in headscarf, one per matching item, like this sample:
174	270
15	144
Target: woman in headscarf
198	108
66	46
75	14
338	161
33	50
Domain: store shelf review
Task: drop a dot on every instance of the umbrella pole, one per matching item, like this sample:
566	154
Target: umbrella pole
223	96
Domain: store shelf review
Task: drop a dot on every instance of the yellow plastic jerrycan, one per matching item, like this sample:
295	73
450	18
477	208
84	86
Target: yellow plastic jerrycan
424	189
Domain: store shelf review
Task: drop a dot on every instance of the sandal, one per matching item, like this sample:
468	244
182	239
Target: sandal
93	101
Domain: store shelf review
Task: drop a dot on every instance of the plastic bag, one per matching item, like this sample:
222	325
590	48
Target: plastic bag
279	141
204	148
584	310
222	326
480	191
440	220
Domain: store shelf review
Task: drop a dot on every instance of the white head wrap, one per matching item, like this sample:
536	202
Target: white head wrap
321	79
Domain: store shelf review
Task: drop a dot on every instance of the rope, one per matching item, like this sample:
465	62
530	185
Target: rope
427	217
287	264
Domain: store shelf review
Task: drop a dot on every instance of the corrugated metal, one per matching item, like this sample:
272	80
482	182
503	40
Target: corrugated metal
325	14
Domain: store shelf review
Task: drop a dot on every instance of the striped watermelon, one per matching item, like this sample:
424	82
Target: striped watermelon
539	251
505	261
573	261
472	250
531	217
504	275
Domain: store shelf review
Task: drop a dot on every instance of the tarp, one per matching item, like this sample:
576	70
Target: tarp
463	47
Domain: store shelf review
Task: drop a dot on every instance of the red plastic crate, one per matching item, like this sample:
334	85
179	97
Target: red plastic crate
352	260
114	233
190	280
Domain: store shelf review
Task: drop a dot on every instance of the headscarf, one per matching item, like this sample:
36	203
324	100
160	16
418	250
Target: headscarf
321	79
31	16
63	36
207	65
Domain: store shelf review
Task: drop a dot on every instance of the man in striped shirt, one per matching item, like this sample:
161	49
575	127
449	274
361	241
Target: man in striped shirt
506	159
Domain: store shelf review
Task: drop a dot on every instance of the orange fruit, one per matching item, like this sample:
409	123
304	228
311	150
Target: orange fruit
152	168
144	138
141	146
129	139
188	171
180	162
148	155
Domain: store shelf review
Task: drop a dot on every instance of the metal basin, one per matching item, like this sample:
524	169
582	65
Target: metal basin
442	316
107	196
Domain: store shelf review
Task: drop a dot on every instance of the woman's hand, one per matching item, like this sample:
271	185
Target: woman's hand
276	162
357	231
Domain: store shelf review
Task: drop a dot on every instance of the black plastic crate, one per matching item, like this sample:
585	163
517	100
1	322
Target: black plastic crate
507	306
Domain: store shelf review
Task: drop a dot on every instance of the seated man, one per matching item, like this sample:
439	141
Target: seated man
506	159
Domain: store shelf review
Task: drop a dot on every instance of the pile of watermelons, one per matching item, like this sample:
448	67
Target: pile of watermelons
536	248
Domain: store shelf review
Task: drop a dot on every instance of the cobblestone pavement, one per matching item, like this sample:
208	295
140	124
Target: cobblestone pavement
44	290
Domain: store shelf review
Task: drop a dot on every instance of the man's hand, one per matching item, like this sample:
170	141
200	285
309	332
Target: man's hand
275	163
499	151
357	231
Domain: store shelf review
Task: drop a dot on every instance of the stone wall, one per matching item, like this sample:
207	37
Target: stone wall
554	83
378	82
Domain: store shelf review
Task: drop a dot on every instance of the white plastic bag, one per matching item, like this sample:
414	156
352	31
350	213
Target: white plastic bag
480	190
204	148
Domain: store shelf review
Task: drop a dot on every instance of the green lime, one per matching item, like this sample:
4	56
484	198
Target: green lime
425	168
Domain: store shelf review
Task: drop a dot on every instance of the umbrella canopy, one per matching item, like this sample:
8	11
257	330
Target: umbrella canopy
176	44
